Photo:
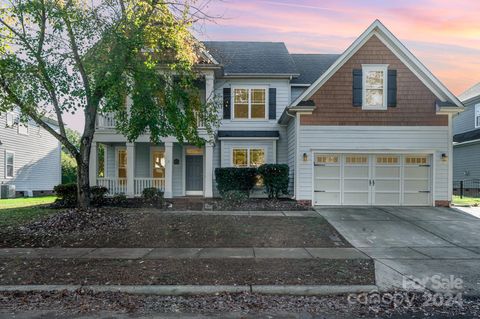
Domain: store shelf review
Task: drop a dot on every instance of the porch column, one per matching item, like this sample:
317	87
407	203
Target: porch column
209	84
208	170
130	169
168	169
92	169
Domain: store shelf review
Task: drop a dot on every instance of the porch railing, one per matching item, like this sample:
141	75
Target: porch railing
115	185
141	183
106	120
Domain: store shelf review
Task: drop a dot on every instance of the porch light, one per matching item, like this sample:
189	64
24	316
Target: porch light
305	157
444	157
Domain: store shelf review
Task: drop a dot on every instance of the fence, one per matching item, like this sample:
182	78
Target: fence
467	188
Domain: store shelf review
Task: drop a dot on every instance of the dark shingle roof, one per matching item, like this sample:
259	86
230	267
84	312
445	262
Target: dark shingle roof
239	57
470	93
467	136
311	66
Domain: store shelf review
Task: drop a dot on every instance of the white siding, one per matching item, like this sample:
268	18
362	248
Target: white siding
292	151
177	171
373	138
37	157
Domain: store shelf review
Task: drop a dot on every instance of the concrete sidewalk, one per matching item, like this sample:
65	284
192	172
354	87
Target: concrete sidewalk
179	253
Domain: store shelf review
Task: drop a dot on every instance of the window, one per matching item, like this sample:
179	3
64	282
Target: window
374	86
416	160
9	164
356	159
477	115
23	128
387	160
249	103
158	161
326	159
248	157
122	163
10	119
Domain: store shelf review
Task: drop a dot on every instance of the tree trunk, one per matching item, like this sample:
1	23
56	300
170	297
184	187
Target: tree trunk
83	176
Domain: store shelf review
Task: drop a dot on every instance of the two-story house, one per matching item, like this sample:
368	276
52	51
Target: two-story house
466	130
29	156
370	126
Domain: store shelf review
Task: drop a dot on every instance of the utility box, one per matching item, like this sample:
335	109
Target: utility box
7	191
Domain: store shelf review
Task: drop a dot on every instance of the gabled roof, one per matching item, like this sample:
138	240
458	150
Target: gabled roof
311	66
240	58
470	93
379	30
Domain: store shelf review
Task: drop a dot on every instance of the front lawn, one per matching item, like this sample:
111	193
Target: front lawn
26	202
18	211
470	201
154	228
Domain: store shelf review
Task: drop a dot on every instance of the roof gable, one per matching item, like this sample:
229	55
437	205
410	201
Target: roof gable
470	93
386	37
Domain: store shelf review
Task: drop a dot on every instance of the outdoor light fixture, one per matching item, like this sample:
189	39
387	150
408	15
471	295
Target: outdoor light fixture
444	157
305	157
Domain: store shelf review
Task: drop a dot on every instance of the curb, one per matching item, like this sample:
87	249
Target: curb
178	290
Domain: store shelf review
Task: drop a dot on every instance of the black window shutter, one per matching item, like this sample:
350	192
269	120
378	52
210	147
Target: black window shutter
227	96
392	88
272	103
357	87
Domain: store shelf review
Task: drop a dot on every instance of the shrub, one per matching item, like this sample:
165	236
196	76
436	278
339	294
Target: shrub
234	198
69	169
235	179
97	194
275	179
153	195
67	194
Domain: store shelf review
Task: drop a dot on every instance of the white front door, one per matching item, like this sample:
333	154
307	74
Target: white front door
372	179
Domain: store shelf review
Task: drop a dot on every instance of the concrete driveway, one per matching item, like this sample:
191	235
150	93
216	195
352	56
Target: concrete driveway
414	243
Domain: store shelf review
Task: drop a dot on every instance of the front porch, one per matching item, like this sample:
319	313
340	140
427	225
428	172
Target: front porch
129	168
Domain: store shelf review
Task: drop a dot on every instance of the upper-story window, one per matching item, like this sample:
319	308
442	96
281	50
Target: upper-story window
23	128
10	119
374	86
477	115
9	164
249	103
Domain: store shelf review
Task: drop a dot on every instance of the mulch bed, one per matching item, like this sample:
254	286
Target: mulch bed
187	272
242	305
151	228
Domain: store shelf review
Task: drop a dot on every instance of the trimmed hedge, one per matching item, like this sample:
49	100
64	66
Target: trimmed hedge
235	179
275	179
67	194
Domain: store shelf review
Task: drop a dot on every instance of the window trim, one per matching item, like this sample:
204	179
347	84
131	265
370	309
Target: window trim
476	115
375	67
249	88
26	126
6	165
248	148
10	115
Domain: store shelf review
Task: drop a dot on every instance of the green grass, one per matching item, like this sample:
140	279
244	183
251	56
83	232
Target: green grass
22	210
465	200
25	202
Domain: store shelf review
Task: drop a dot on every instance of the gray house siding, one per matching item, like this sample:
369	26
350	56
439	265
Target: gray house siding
466	161
292	149
465	121
36	157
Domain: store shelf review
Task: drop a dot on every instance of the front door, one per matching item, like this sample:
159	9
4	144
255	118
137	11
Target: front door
194	174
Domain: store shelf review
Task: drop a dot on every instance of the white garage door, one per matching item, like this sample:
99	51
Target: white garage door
372	179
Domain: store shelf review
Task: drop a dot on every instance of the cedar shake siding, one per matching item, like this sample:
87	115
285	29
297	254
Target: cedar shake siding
334	100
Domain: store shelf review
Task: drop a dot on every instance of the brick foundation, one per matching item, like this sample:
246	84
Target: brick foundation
442	203
306	203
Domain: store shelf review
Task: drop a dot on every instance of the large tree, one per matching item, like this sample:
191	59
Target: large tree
135	58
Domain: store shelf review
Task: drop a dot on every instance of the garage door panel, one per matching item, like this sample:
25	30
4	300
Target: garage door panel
387	172
416	199
327	184
355	185
324	198
416	185
416	172
387	185
355	198
387	199
356	171
327	171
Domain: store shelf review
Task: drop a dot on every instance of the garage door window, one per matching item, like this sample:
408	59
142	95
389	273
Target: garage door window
416	160
386	160
326	159
356	159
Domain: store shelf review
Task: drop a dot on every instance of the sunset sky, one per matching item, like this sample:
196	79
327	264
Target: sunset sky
443	34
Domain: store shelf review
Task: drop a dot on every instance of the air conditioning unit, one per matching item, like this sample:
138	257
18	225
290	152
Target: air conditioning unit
7	191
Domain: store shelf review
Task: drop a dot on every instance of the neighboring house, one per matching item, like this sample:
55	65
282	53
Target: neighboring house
466	139
29	156
371	126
